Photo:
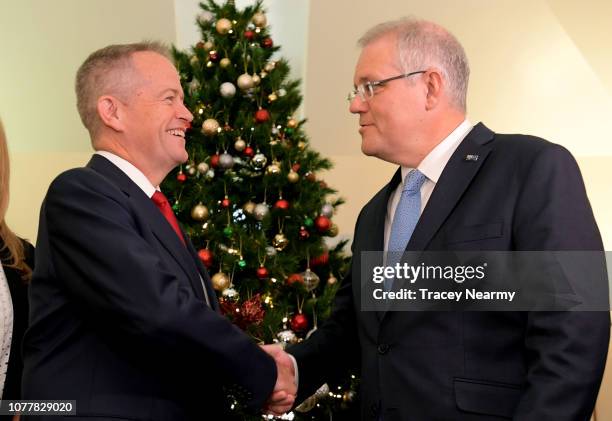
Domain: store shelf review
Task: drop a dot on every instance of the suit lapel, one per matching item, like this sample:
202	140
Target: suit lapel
159	225
454	180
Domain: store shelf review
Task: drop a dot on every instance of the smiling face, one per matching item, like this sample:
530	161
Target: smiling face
155	119
390	122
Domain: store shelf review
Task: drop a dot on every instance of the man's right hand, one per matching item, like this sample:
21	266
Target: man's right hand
283	396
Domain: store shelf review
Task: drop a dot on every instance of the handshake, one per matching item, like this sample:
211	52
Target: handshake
285	389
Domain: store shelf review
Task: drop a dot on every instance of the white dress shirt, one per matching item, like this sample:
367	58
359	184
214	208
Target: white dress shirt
431	166
6	327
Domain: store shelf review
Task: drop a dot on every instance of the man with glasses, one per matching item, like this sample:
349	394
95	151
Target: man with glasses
459	187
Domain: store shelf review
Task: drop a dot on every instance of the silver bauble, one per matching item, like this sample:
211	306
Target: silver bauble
227	90
226	161
286	337
270	251
203	167
230	294
311	280
193	86
327	210
259	161
261	211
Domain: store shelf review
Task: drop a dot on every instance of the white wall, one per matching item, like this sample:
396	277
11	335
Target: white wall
538	67
43	43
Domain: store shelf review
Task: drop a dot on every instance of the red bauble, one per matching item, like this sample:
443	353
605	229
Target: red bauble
323	184
299	323
181	177
295	277
214	160
321	260
295	167
262	272
249	35
267	43
322	223
262	115
303	234
206	257
200	44
250	152
281	204
213	56
226	203
310	176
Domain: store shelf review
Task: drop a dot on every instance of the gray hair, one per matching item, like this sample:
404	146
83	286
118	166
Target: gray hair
107	71
422	44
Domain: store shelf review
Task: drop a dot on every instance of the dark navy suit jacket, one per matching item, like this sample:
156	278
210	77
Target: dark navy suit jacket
118	318
522	193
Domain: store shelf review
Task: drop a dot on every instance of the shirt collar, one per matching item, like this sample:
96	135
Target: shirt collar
131	171
433	164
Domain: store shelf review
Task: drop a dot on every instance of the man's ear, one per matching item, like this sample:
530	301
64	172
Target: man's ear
110	112
435	88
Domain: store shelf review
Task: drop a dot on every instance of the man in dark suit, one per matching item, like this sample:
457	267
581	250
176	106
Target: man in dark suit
475	191
123	316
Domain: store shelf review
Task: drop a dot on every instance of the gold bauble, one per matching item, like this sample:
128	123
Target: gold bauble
239	145
220	281
292	123
273	168
223	26
256	80
293	177
208	45
199	212
301	145
333	230
272	97
225	63
245	81
280	241
249	207
331	280
259	19
210	126
269	66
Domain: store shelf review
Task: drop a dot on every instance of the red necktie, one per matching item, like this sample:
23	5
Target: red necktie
164	207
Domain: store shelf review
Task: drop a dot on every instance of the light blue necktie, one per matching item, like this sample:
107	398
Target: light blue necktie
405	219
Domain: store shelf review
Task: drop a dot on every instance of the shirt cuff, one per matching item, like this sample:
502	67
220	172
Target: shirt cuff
295	369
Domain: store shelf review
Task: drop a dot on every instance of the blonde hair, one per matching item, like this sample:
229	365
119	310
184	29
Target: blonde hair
106	71
12	251
422	44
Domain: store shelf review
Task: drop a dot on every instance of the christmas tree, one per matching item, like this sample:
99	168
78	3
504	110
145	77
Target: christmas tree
250	197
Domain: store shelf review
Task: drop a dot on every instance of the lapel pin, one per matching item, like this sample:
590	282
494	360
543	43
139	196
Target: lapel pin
473	158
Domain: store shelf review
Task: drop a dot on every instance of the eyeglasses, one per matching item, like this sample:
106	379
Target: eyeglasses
366	90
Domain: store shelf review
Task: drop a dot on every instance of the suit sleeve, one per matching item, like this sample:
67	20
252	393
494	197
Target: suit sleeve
122	286
565	351
333	347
